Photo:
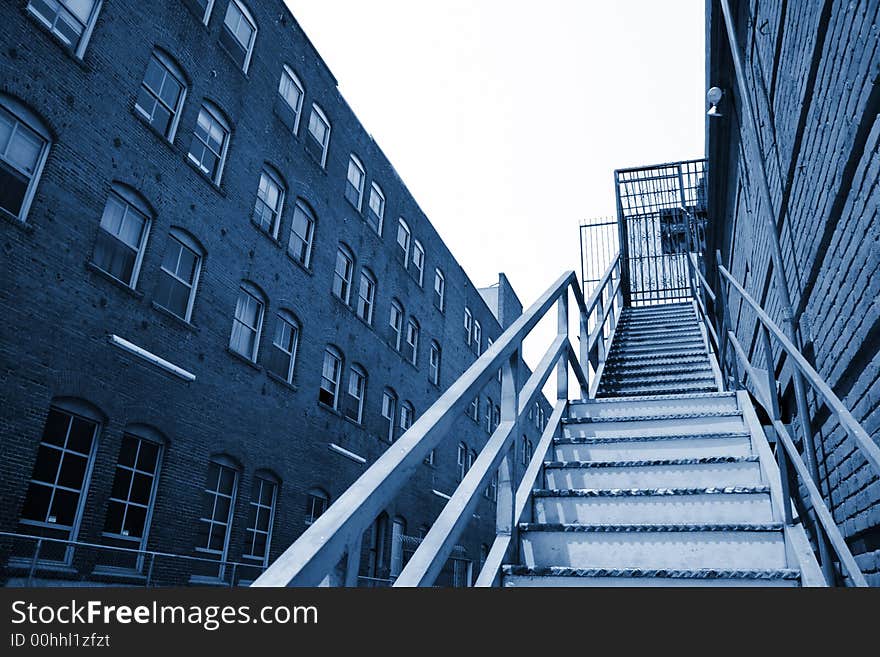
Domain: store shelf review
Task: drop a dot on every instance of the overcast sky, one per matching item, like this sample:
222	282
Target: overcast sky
507	118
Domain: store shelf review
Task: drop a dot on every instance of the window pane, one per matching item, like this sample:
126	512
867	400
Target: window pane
46	466
82	432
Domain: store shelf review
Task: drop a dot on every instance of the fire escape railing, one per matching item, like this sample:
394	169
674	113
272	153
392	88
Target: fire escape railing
329	551
764	386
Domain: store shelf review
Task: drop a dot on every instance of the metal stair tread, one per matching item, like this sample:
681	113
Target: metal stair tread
692	356
693	395
609	440
570	527
647	463
648	492
669	573
604	393
658	378
639	418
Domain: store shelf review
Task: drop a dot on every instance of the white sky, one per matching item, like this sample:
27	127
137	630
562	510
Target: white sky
507	118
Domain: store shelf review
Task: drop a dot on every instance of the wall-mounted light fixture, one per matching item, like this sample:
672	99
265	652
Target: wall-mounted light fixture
714	96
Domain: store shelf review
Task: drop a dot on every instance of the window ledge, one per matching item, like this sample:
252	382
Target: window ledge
359	213
158	135
15	221
282	382
178	320
276	241
217	188
352	421
234	63
91	266
329	409
244	359
305	269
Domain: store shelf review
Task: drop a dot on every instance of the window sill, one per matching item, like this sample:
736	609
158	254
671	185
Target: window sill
244	359
329	409
91	266
357	211
168	143
304	268
282	382
275	241
178	320
352	421
22	225
66	49
215	186
116	572
234	63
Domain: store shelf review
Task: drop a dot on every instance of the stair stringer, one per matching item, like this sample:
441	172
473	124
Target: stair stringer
713	362
797	546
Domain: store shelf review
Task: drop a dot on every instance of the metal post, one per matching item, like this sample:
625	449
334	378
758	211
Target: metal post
725	323
584	338
232	575
505	519
624	247
150	569
562	329
773	394
353	561
36	558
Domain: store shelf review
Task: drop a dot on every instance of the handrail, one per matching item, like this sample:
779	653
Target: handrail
315	557
766	394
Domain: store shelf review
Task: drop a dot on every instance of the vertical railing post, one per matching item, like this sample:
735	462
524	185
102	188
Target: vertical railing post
150	568
505	519
600	323
353	561
583	351
773	394
232	575
562	330
36	558
725	323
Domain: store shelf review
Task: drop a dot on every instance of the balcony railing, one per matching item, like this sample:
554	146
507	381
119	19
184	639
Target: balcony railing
329	550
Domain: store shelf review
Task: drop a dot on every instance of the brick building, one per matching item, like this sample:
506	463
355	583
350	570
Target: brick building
811	69
221	303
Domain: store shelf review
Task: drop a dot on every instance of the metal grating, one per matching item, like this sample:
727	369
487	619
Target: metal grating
661	215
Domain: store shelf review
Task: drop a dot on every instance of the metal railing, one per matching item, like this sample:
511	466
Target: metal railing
27	557
330	549
763	384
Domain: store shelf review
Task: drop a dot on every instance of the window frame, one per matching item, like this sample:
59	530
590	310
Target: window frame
477	341
254	293
366	307
403	226
273	178
264	478
407	416
413	329
389	412
439	294
356	375
468	325
174	70
216	115
82	43
31	121
316	494
376	191
419	262
302	208
397	331
245	14
353	160
435	362
337	356
131	200
284	316
223	463
184	240
288	72
325	146
342	283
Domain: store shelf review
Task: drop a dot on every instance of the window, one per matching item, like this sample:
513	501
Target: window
330	374
496	416
342	274
407	414
473	410
201	8
218	505
353	407
179	274
283	353
403	239
239	33
248	322
468	325
543	422
398	530
439	290
317	502
434	365
537	415
366	296
526	450
489	343
270	201
376	215
389	412
161	95
122	235
134	489
354	184
24	146
412	341
292	93
492	489
302	230
462	461
70	20
478	337
261	515
488	416
319	135
429	459
61	474
418	260
395	320
210	143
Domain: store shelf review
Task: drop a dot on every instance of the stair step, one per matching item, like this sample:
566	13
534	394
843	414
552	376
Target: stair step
620	407
662	416
554	576
661	348
617	369
637	378
626	337
671	389
721	546
654	473
738	504
646	448
656	359
639	427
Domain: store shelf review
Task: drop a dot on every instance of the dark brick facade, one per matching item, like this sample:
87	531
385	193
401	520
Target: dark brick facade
59	309
813	68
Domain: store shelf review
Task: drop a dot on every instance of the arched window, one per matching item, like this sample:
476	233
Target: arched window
404	235
389	413
247	326
282	358
317	501
526	450
331	374
468	325
343	273
354	184
439	290
353	406
366	296
261	516
179	273
478	337
488	415
412	341
201	8
162	94
218	503
376	215
122	234
72	21
398	531
292	93
376	566
302	232
395	320
434	365
407	415
24	147
239	33
492	489
319	135
462	460
210	142
270	201
418	260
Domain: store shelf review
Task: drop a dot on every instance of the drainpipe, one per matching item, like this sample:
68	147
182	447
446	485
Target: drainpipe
778	268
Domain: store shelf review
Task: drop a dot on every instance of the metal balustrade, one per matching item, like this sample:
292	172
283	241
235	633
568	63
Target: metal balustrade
763	384
329	551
